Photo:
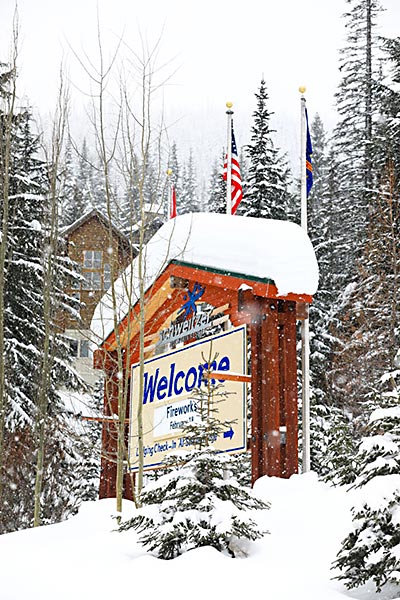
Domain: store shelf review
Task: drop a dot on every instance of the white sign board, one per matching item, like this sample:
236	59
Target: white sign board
169	403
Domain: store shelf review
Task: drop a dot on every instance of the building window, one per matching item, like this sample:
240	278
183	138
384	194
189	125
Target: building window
84	349
73	344
92	259
79	348
92	280
107	276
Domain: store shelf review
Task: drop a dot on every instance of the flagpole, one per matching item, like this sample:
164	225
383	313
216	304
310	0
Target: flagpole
229	113
305	324
169	173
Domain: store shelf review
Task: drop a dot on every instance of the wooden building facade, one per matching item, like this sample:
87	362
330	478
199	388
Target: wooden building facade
87	243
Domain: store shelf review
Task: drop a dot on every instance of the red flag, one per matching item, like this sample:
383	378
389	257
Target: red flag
172	214
236	179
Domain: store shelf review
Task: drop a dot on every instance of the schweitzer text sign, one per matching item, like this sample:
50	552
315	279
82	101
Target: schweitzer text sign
169	382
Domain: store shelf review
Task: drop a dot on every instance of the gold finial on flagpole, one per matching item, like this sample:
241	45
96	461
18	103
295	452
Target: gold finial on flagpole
229	107
169	172
229	104
302	89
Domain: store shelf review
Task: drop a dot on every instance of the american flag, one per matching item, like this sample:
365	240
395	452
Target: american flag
236	179
309	169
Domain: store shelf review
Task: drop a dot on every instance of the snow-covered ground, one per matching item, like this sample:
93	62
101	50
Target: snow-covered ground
84	558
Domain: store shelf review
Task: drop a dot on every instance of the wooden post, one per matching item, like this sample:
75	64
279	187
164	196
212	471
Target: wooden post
256	386
108	471
274	439
270	389
288	389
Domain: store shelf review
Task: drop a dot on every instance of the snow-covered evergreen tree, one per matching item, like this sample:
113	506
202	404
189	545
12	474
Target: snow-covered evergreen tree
77	194
69	196
360	280
266	191
370	551
188	201
217	187
320	229
175	166
24	318
87	438
358	106
333	447
369	333
387	128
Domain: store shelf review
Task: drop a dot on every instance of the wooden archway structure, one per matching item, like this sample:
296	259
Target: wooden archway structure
271	326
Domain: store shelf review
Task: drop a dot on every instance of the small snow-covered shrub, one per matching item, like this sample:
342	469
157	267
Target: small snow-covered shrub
197	504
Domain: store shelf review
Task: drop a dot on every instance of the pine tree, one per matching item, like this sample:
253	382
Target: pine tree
23	299
358	106
359	163
188	199
320	229
333	446
24	319
266	191
77	196
369	552
175	166
198	503
87	439
217	187
369	334
387	138
68	199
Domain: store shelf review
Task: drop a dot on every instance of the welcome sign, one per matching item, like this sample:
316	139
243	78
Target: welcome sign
169	402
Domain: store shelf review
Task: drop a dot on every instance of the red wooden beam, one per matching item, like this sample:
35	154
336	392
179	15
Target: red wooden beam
225	375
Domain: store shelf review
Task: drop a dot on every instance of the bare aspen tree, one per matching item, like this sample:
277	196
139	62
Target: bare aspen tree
133	136
106	147
146	69
50	253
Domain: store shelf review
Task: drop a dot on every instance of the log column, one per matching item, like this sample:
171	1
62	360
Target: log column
288	388
270	389
274	440
108	362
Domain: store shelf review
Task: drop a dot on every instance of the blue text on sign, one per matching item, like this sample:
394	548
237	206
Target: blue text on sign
177	381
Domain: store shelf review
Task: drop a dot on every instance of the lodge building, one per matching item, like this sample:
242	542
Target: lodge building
87	243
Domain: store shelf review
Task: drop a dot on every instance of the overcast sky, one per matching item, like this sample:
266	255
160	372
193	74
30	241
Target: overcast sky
218	50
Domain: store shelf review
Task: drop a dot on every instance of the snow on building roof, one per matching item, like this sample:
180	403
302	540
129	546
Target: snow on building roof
92	212
254	248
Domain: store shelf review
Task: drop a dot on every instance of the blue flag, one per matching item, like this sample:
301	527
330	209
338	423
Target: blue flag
309	173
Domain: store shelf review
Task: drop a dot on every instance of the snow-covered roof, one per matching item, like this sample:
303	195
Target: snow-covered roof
244	246
92	212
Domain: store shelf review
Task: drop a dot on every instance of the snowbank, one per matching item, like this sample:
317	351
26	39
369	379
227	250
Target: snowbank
263	248
84	558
